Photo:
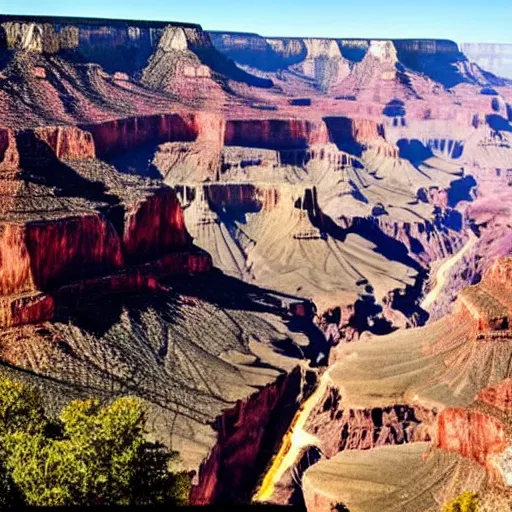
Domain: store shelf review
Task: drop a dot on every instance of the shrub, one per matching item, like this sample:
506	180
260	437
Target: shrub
93	454
466	502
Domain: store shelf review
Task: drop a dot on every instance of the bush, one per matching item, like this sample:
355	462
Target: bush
92	454
466	502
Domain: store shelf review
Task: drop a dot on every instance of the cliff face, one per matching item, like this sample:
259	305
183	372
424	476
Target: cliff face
116	45
117	136
274	53
51	237
154	227
9	156
330	61
68	143
247	435
338	428
275	134
473	434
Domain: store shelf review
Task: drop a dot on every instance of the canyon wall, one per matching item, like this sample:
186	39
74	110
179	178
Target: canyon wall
338	428
129	133
496	58
9	156
53	244
116	45
275	134
68	143
472	434
271	54
248	435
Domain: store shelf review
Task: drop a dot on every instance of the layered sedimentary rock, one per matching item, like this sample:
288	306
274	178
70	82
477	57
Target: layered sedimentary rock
117	136
471	421
489	303
473	434
49	240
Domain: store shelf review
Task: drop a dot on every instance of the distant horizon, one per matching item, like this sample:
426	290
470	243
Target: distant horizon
452	20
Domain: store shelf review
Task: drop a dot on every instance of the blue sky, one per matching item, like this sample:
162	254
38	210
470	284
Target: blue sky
459	20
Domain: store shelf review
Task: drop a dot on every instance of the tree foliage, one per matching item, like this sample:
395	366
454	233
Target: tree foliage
466	502
92	454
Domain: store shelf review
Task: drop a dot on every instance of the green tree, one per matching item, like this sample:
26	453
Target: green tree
92	455
466	502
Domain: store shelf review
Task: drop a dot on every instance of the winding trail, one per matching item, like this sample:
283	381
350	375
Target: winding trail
443	271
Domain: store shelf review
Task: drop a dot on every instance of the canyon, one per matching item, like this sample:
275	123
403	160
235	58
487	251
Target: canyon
295	251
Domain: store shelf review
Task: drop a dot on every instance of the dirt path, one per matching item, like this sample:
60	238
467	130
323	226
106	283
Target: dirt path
443	271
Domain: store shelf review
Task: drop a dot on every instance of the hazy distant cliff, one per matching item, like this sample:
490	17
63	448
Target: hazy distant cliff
496	58
329	61
274	53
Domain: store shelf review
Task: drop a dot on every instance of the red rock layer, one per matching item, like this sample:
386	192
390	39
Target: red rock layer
154	227
9	156
66	249
137	278
68	142
26	309
129	133
470	433
275	134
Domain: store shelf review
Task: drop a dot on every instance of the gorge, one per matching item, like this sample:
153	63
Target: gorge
295	251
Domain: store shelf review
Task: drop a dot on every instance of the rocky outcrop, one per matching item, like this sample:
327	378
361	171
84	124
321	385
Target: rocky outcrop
40	255
472	434
354	134
250	197
68	143
154	227
338	428
9	156
247	435
26	308
489	303
54	243
498	396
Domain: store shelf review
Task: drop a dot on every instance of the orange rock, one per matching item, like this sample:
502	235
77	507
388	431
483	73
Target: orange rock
68	142
470	433
499	396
